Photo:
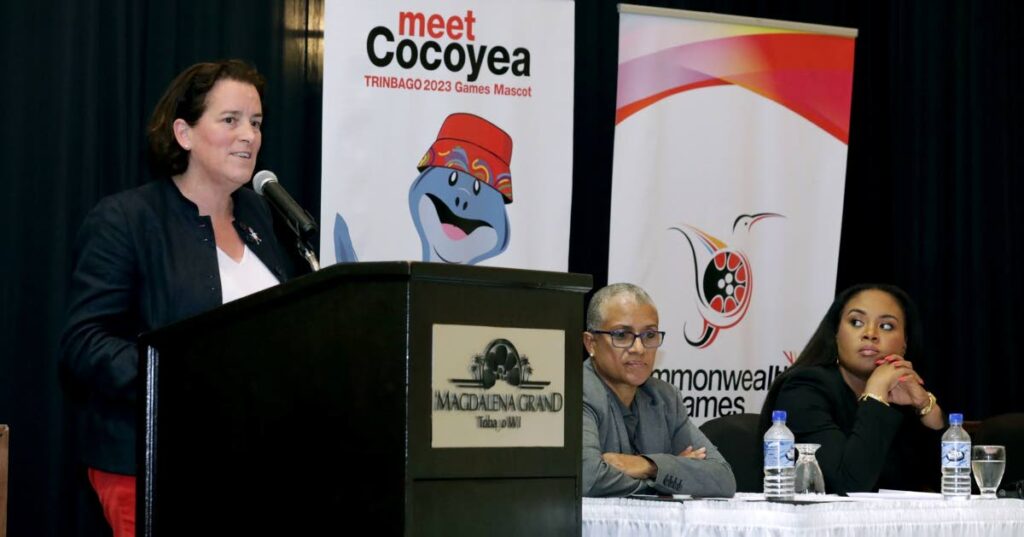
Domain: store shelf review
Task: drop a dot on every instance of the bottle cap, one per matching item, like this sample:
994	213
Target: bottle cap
956	418
780	415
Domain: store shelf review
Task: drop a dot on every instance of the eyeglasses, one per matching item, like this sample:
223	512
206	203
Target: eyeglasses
623	339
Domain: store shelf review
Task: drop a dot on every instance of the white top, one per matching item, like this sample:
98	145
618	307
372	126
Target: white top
865	517
242	278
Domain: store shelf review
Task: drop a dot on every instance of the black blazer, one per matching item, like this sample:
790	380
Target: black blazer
144	258
864	445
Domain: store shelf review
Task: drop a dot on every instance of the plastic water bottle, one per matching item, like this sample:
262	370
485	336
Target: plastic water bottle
779	459
956	460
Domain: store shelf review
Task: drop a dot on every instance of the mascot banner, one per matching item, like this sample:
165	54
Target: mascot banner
448	132
727	195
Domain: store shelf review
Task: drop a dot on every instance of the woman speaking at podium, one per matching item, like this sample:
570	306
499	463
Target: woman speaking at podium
182	244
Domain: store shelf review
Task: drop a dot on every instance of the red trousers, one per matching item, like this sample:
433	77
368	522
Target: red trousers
117	495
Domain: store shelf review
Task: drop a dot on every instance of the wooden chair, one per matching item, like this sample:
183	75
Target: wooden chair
5	436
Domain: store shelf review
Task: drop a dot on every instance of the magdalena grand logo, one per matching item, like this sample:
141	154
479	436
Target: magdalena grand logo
500	361
499	394
723	277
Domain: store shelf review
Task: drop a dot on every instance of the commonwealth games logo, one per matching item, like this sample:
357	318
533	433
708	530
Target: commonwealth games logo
723	278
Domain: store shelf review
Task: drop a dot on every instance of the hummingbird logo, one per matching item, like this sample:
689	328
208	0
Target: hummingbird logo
723	278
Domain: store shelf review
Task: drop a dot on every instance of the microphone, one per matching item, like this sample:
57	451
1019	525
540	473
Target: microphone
298	219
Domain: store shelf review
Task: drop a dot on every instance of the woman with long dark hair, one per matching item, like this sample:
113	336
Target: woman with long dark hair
854	390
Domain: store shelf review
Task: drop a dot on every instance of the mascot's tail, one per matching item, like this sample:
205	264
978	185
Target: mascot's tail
343	250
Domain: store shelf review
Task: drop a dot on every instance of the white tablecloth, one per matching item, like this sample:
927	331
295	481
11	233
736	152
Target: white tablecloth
622	517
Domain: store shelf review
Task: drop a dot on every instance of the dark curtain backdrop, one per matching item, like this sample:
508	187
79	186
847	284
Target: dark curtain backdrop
931	188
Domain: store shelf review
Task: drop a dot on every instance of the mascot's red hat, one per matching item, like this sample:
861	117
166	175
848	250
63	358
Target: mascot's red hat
476	146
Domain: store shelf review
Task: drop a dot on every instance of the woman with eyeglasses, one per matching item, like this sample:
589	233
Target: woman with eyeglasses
637	434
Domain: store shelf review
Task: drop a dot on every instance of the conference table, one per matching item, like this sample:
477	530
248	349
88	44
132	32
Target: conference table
888	513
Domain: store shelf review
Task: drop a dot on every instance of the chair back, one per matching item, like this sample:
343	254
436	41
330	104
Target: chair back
736	437
1005	430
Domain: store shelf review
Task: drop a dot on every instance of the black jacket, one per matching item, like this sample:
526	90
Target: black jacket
864	445
144	258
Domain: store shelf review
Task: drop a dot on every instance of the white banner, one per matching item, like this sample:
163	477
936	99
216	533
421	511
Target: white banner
730	160
448	132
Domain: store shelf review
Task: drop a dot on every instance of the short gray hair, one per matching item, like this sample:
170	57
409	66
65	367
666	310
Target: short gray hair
595	312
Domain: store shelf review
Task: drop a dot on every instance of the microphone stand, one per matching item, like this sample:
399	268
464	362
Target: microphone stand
285	207
308	254
303	244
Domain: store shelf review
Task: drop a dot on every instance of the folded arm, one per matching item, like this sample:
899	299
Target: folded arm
687	472
601	478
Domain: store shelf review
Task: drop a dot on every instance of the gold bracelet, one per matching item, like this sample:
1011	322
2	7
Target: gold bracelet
868	395
928	408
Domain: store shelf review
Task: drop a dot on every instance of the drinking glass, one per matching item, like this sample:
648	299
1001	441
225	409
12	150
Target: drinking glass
808	478
987	465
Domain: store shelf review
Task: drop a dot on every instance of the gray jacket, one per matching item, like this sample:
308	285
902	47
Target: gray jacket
665	430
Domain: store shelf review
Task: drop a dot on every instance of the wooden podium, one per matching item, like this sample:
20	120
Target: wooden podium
323	405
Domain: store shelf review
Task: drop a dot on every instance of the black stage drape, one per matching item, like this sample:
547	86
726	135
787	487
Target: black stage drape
930	201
